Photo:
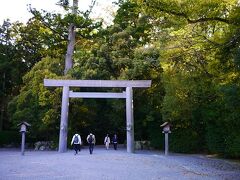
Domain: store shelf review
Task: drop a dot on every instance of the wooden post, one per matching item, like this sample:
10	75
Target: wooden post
130	122
23	143
64	120
166	143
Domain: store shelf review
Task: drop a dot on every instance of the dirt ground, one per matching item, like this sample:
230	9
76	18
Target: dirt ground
113	165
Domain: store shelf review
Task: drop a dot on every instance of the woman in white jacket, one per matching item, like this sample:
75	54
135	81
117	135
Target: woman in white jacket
76	142
107	141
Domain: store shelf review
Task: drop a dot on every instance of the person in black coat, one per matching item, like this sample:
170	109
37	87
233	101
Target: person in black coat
91	141
115	141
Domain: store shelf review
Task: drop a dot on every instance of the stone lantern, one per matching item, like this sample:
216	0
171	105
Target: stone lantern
23	129
166	130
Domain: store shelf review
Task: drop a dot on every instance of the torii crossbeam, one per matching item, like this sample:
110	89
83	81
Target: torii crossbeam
128	95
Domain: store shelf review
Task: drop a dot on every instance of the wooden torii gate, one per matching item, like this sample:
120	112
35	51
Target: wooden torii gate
66	94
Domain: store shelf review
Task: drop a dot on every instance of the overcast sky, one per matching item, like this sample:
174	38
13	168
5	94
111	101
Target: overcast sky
17	10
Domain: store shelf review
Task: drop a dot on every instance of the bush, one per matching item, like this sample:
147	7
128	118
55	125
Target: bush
233	146
156	136
9	138
185	141
215	139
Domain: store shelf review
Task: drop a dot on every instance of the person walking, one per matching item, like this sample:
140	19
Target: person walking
76	142
91	141
115	141
107	141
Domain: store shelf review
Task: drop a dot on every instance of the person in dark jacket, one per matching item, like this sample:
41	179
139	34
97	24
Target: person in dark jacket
91	141
115	141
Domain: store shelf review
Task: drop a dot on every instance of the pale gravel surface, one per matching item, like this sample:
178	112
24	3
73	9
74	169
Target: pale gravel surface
113	165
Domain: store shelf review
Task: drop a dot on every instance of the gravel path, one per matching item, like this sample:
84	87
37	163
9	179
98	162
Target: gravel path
113	165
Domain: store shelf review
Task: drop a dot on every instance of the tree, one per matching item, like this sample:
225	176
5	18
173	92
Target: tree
11	69
37	105
198	44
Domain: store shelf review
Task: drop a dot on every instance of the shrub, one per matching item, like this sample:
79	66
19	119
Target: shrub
10	137
185	141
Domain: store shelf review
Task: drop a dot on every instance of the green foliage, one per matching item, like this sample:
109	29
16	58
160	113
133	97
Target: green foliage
156	136
186	140
233	145
10	137
215	138
35	104
198	43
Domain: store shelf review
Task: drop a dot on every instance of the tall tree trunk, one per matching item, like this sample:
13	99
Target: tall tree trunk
65	94
71	41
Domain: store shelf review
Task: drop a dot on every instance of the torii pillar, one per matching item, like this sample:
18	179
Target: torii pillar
128	95
64	120
129	119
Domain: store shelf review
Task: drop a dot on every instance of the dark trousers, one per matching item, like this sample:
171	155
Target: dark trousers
115	146
91	145
76	147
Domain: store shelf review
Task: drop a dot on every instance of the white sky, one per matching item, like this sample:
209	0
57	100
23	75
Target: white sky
17	10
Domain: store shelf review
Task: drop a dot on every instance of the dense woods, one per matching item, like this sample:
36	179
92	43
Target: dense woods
189	49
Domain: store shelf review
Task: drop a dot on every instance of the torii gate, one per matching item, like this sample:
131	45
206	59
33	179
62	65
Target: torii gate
66	94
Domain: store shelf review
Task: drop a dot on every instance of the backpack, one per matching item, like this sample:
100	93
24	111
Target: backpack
75	140
90	139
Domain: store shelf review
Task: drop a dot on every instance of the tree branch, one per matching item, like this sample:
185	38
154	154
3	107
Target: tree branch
189	20
40	18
